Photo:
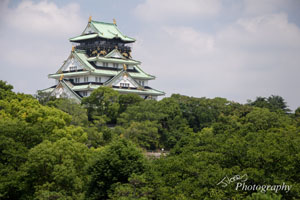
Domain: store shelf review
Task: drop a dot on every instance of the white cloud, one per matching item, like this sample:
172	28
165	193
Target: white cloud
256	56
35	37
267	33
258	7
196	41
157	10
43	18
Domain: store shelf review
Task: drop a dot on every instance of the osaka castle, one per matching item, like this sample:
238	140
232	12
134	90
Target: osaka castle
100	57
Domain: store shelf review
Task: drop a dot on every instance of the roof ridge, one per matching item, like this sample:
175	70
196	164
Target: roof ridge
110	81
139	69
93	21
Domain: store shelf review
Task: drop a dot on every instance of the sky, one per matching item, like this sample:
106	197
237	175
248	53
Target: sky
235	49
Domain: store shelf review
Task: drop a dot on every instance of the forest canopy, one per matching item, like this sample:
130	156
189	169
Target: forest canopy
57	149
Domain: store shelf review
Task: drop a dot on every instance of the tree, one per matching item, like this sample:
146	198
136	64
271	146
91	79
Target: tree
278	103
126	100
262	196
166	113
56	170
6	90
24	123
136	188
44	97
45	154
102	103
143	111
114	164
78	113
201	112
273	103
297	112
12	155
145	134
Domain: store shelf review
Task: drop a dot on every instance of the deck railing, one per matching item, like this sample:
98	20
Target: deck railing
91	48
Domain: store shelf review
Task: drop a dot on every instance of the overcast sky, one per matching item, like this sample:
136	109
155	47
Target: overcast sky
236	49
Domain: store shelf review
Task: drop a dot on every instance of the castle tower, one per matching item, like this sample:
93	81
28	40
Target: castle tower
101	57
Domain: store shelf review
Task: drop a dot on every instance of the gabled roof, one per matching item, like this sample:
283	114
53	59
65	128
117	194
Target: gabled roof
114	60
57	75
142	72
140	91
66	90
115	54
122	73
80	57
151	91
90	69
48	90
102	30
103	73
84	37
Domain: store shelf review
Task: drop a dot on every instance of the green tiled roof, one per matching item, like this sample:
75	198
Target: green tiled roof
103	30
47	90
114	51
68	74
102	72
85	87
113	60
145	91
84	37
82	57
121	73
113	73
66	85
142	72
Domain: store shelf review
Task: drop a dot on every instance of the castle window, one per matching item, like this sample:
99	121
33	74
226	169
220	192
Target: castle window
77	80
105	64
130	67
124	84
142	83
73	68
86	79
84	93
98	79
116	65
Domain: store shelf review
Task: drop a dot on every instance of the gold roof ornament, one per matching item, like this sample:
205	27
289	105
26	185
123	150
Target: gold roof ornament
114	21
90	18
125	67
61	77
125	54
73	48
103	52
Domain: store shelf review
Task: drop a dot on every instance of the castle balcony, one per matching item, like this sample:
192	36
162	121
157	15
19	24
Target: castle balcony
91	49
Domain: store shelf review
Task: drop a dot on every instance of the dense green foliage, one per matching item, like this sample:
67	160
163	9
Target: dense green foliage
114	164
57	149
